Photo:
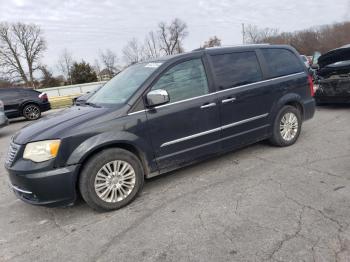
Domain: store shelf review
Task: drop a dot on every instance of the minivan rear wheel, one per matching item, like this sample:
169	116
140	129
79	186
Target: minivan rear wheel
287	126
111	179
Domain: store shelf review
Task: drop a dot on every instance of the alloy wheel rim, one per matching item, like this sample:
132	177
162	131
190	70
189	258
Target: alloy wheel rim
289	126
32	112
115	181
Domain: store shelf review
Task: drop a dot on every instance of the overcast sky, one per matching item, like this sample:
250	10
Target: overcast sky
85	26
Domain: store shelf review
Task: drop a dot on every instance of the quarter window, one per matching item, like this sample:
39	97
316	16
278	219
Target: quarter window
281	62
236	69
183	81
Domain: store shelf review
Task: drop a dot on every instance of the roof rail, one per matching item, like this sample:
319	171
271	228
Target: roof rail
223	46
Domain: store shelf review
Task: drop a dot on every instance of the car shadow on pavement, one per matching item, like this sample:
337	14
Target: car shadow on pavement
18	120
210	161
334	106
163	180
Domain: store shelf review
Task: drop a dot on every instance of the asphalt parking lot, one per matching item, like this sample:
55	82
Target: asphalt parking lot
258	204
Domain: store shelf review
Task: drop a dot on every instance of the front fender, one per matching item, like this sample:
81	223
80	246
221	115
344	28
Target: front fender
102	140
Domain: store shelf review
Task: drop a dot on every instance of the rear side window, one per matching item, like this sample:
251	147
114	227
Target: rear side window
236	69
281	62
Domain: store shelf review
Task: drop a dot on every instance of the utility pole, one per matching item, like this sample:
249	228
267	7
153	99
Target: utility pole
243	34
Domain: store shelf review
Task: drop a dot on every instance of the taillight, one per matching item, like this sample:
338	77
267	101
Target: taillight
311	85
43	97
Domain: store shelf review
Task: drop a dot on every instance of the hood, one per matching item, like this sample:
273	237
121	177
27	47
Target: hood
63	123
334	56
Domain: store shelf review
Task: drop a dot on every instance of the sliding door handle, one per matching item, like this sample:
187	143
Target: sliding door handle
228	100
208	105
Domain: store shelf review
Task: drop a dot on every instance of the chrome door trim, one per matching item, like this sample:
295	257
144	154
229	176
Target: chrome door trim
221	91
244	121
213	130
211	142
136	112
190	137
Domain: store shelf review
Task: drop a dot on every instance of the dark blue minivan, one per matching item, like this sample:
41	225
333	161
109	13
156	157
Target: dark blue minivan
158	116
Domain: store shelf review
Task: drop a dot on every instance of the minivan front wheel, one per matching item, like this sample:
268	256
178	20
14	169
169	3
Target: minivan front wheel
111	179
287	126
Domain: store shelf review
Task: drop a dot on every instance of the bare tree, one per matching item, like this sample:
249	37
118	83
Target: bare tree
307	41
133	52
151	48
171	36
5	82
109	60
250	34
10	55
267	33
167	40
21	45
65	63
254	35
97	68
213	41
47	79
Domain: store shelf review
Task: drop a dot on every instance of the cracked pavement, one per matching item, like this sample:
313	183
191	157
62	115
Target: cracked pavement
260	203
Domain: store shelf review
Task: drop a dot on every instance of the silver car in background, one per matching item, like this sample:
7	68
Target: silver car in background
3	119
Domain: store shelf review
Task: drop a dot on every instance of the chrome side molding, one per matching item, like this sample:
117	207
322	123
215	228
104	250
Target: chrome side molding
213	130
20	190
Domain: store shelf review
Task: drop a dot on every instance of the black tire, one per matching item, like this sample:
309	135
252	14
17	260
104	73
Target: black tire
277	138
31	112
92	167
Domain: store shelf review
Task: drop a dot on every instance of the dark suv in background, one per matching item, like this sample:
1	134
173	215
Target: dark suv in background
334	76
24	102
158	116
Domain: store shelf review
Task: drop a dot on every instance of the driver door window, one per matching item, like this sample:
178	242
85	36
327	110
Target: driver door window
183	81
179	132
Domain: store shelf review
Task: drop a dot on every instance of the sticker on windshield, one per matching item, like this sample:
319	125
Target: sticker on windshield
153	65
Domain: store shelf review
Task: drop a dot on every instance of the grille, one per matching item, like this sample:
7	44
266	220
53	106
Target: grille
11	154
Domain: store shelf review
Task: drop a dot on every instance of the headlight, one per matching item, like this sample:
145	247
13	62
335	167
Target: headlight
41	151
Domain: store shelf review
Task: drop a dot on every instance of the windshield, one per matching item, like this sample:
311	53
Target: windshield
121	87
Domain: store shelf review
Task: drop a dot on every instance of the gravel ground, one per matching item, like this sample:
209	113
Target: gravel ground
258	204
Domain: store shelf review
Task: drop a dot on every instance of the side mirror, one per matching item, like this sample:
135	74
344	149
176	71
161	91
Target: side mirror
157	97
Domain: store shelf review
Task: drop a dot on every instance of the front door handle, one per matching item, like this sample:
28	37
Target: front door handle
208	105
231	99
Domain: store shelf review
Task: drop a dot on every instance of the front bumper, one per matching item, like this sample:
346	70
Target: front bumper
56	187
